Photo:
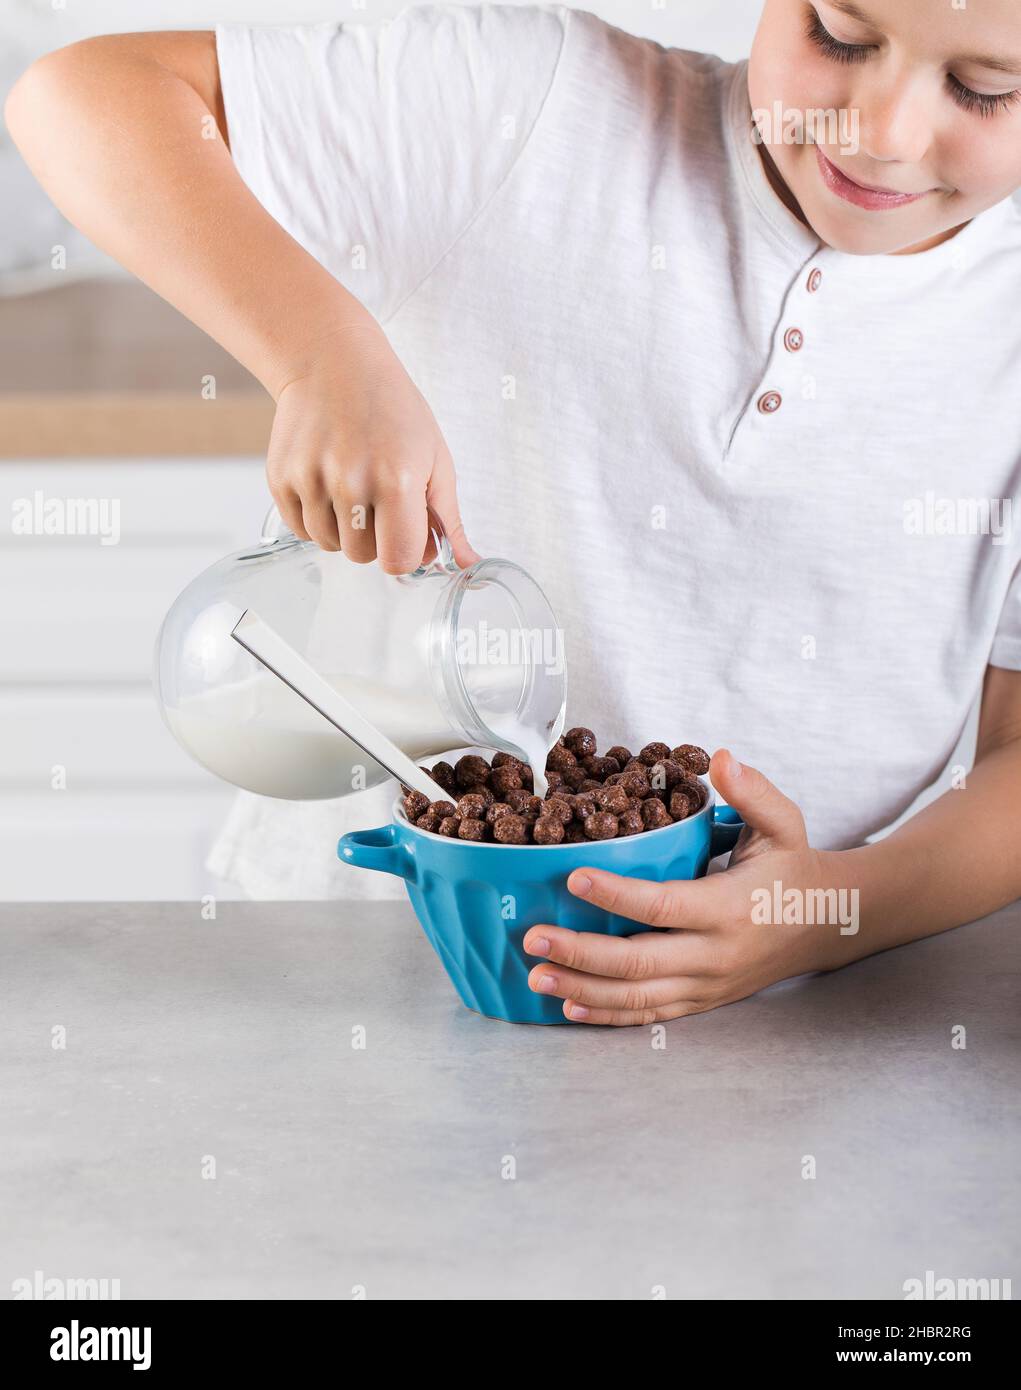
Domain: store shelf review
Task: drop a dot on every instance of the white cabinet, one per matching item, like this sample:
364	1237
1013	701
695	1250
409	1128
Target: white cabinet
96	799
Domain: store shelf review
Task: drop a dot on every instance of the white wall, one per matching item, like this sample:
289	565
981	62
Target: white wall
97	800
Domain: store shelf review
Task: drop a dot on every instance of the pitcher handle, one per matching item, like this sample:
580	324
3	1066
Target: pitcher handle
443	561
276	532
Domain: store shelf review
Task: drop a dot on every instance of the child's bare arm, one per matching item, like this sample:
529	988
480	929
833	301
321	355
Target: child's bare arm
959	858
127	135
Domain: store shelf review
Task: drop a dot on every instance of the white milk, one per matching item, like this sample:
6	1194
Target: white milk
260	735
534	747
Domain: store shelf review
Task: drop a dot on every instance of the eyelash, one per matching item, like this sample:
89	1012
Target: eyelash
985	105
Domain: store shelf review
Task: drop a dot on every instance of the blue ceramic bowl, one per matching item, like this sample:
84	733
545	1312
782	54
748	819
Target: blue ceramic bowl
476	901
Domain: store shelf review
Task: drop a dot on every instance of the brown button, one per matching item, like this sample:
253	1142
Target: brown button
794	340
770	402
814	281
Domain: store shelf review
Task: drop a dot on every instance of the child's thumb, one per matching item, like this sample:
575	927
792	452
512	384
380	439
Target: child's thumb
760	804
464	553
443	501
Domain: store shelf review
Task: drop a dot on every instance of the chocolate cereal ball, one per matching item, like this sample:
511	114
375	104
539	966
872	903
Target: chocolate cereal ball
581	742
557	809
655	814
548	830
654	753
481	789
601	825
611	799
665	774
506	779
560	759
694	790
691	758
636	782
415	804
444	774
510	830
472	806
471	769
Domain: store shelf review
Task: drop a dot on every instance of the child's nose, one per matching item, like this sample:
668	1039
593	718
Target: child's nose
896	126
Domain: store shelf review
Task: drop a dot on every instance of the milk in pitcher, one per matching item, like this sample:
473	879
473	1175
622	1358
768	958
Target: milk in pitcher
259	734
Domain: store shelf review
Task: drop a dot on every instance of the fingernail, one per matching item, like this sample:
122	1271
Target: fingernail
547	983
578	1011
538	946
580	884
735	767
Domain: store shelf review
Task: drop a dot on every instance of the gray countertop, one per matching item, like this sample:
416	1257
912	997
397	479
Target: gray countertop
389	1167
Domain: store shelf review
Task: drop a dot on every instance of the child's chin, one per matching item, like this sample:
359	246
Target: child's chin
856	240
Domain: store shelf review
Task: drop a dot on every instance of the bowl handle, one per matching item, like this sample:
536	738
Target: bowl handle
727	826
377	849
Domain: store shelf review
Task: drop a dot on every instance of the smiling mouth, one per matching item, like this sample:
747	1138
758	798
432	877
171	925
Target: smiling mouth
863	195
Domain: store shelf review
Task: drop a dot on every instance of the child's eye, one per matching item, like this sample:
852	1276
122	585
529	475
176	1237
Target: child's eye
984	104
833	48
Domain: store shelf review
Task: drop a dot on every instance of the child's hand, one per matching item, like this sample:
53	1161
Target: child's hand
718	951
355	456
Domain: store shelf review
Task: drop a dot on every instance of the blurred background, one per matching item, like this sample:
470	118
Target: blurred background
104	393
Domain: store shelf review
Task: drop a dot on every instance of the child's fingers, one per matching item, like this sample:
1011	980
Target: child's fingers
443	499
353	513
605	992
319	517
644	956
698	903
356	541
630	1018
289	506
401	526
760	804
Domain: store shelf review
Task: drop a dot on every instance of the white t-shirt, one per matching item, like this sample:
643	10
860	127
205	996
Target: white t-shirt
570	239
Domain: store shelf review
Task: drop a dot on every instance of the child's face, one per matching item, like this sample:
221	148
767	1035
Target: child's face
912	104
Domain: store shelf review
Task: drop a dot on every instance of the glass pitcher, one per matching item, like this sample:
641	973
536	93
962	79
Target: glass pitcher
438	659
